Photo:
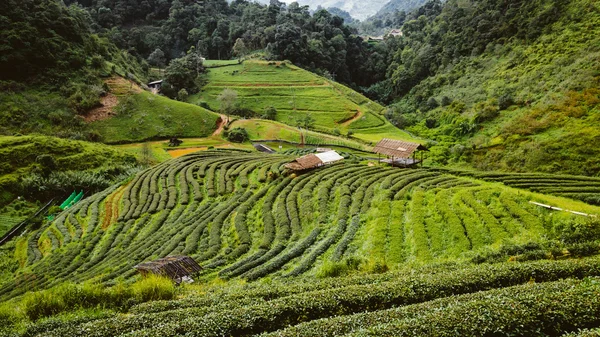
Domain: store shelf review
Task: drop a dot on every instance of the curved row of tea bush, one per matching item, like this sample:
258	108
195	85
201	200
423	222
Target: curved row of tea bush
243	215
310	306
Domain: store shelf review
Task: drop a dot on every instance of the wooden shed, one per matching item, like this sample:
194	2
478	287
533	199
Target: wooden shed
401	153
312	161
174	267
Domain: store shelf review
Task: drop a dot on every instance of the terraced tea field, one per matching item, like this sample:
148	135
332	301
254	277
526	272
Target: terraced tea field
240	215
582	188
296	93
244	218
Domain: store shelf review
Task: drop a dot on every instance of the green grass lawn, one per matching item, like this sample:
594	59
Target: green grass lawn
296	93
146	116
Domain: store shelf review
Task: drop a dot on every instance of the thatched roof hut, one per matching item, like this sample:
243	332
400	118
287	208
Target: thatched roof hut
174	267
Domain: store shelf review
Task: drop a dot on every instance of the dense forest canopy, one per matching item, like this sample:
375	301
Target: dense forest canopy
319	42
455	66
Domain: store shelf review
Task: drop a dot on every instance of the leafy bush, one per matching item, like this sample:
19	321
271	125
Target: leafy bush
70	297
237	135
269	113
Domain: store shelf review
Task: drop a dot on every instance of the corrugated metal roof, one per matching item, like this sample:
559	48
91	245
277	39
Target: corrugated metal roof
397	148
329	157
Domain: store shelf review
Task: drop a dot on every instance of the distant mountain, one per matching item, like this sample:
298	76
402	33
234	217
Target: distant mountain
348	19
399	5
357	9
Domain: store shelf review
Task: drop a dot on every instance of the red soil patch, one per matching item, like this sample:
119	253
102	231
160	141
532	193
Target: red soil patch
354	118
105	111
118	87
222	121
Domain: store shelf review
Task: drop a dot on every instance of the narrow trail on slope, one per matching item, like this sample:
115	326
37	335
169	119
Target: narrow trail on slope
221	126
358	115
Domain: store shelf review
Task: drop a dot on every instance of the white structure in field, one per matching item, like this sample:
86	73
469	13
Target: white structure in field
329	157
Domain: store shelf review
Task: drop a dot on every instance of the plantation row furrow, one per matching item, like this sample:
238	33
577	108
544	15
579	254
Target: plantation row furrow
516	311
371	299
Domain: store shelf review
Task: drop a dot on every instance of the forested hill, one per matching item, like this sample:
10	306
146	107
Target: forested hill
511	85
319	42
45	42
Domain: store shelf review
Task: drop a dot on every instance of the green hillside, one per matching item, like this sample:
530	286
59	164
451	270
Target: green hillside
496	234
521	94
141	116
296	94
42	160
242	216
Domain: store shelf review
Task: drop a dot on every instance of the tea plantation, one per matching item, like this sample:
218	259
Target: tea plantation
243	217
296	93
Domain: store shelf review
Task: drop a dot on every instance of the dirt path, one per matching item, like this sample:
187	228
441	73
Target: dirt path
119	87
221	127
109	102
356	117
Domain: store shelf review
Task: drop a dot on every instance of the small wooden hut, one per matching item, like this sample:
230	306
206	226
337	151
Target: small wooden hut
174	267
402	153
312	161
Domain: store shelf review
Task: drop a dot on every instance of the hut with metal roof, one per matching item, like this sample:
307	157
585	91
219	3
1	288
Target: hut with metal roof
312	161
175	267
263	148
400	153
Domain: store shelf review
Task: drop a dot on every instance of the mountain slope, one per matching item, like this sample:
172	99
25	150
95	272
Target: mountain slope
140	115
298	95
399	5
503	92
357	9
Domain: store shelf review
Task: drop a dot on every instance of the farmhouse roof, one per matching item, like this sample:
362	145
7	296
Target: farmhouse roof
314	160
174	267
397	148
155	82
329	157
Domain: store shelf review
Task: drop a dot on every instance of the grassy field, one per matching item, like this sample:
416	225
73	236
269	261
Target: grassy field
160	151
244	218
219	63
141	116
296	93
271	130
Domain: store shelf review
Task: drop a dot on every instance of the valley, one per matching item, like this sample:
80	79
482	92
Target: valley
216	168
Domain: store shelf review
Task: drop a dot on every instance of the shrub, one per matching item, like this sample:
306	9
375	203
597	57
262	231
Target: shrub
505	101
182	95
154	288
576	230
8	316
204	104
336	269
237	135
269	113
